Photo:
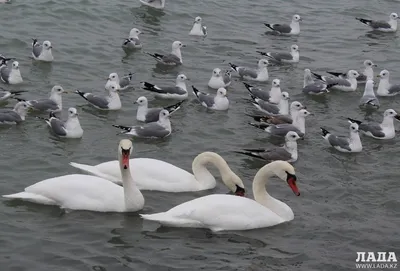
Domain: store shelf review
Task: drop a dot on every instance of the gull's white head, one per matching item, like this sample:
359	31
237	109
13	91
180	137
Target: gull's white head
297	18
113	77
112	87
369	63
353	127
58	90
181	78
47	45
276	83
353	74
141	101
390	113
292	136
296	106
221	92
197	20
393	16
384	74
294	48
72	113
284	171
216	72
164	114
303	113
15	65
262	63
21	108
124	152
134	33
285	96
177	45
307	72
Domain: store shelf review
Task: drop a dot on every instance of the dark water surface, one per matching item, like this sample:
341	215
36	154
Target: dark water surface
349	203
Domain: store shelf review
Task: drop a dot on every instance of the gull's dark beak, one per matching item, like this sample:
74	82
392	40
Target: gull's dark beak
50	47
397	117
379	76
374	65
183	45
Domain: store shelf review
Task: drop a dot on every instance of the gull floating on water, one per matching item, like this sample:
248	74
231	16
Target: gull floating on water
295	108
5	94
260	74
52	104
42	52
15	115
367	73
173	58
10	75
342	144
110	102
315	88
68	129
157	4
159	129
280	130
273	109
146	114
124	82
369	99
286	153
390	26
272	96
178	92
348	84
292	57
292	29
384	87
133	42
198	29
216	102
383	130
219	80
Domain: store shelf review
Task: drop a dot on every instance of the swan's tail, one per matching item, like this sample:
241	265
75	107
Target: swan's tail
35	198
168	220
94	171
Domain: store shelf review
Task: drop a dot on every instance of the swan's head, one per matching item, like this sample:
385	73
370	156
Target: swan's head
113	77
47	45
124	152
276	83
384	74
141	101
216	72
285	172
235	184
369	63
394	16
296	18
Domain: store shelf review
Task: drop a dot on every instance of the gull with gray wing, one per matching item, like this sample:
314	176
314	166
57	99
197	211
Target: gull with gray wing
367	73
260	74
42	52
287	29
52	104
295	107
273	109
132	42
369	100
178	92
110	102
292	57
15	115
384	87
219	80
312	87
383	26
172	59
348	84
124	82
216	102
10	75
343	144
272	96
68	129
146	114
198	29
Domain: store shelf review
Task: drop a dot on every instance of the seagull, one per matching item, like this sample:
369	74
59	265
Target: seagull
286	153
295	107
15	115
349	84
384	87
146	114
219	80
110	102
5	94
217	102
68	129
273	109
178	92
292	29
315	88
9	75
124	82
390	26
342	144
174	58
42	52
367	73
272	96
383	130
133	42
369	99
52	104
292	57
157	4
260	74
198	29
159	129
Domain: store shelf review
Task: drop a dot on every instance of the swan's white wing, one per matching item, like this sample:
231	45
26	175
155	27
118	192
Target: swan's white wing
218	212
148	174
77	192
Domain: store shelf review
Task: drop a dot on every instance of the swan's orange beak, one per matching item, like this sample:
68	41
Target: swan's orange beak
125	158
292	184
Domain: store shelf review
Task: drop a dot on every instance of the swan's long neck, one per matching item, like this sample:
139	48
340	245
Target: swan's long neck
132	195
261	195
383	86
203	175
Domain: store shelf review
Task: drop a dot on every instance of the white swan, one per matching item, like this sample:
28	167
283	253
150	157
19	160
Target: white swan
84	192
228	212
157	175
